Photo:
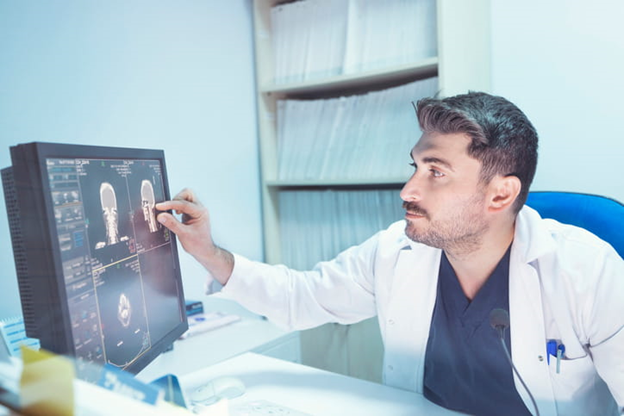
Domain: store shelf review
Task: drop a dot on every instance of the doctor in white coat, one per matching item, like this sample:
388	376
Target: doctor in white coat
464	206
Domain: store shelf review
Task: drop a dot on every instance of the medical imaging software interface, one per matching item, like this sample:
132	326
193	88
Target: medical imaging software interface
117	259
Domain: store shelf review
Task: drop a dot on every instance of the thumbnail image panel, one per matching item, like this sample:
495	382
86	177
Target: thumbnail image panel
161	291
107	210
121	306
145	186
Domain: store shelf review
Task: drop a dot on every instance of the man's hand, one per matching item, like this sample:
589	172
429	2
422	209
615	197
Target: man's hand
194	233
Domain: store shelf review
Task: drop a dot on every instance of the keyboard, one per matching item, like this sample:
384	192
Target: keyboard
263	407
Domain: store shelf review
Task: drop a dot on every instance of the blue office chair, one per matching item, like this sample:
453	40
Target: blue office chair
600	215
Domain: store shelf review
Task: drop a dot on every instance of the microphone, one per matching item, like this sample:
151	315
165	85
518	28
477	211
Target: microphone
499	320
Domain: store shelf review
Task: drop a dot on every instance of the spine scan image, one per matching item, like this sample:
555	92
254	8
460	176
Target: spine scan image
109	212
148	201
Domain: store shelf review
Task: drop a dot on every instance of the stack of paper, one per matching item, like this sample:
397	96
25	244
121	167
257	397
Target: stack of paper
358	137
321	38
318	224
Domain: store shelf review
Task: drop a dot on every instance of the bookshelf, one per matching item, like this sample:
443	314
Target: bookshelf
460	63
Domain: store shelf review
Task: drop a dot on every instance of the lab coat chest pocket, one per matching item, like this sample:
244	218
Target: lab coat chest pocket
573	374
577	387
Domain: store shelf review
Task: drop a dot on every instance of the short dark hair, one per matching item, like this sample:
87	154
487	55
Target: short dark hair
503	138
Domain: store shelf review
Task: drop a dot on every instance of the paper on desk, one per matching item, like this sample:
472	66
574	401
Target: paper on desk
204	322
46	385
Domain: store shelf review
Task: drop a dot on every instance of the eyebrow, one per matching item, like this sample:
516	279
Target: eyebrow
436	160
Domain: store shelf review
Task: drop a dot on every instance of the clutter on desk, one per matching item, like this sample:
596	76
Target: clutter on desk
47	384
14	336
203	322
194	307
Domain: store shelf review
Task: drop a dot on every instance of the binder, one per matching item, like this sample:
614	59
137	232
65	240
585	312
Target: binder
329	139
14	336
314	39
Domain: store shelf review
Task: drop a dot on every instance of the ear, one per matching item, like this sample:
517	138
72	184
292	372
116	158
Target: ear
503	191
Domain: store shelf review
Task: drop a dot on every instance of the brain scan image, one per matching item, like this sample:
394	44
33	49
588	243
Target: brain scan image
124	310
147	202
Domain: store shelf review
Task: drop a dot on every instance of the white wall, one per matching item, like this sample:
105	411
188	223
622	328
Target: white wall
172	75
562	63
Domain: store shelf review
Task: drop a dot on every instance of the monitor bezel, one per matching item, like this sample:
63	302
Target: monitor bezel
35	196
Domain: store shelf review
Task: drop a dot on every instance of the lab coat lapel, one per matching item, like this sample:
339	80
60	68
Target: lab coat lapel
416	273
528	340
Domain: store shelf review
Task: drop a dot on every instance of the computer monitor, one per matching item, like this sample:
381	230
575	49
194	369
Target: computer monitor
99	277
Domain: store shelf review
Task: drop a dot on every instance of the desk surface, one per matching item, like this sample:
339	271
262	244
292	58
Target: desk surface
311	390
211	347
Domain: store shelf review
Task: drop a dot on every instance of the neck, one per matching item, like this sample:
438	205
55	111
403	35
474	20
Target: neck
473	267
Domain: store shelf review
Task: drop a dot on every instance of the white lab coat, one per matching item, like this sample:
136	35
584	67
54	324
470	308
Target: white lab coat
564	284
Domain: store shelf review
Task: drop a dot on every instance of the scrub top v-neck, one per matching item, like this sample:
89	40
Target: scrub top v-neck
465	365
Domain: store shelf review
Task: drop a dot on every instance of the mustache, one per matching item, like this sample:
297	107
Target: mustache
413	207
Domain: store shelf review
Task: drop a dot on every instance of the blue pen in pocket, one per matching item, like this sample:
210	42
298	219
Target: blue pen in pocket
551	349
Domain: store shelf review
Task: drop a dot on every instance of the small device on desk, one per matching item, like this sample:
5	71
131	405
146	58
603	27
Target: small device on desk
194	307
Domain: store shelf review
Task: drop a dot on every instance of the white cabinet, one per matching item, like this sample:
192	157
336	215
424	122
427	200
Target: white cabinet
324	41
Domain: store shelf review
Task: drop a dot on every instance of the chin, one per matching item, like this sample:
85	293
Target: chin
423	238
413	234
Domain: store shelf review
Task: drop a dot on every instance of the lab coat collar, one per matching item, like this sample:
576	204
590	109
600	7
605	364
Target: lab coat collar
532	239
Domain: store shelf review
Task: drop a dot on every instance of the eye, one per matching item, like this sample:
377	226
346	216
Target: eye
436	173
412	164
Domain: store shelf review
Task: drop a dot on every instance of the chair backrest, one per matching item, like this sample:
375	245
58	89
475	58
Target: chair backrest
600	215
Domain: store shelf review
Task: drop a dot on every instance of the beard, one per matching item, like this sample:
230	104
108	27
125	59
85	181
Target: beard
457	230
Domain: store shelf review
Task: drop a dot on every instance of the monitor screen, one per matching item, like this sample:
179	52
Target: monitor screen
99	277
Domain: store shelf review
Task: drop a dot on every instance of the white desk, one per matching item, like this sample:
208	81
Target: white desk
251	333
311	390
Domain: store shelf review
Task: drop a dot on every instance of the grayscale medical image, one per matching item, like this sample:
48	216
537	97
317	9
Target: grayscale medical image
145	185
119	289
107	208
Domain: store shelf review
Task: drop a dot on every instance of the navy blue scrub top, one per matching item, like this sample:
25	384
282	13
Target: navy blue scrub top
465	365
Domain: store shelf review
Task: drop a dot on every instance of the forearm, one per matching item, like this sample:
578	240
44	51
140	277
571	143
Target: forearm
300	300
219	263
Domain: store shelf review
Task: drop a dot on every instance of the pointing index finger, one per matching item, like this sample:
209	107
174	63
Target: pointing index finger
180	206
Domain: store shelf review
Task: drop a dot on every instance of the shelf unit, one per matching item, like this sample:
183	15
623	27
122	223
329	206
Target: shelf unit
462	64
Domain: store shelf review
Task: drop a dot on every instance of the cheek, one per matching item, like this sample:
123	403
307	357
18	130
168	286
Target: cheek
459	205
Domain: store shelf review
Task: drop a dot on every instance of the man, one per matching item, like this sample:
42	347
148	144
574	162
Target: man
467	246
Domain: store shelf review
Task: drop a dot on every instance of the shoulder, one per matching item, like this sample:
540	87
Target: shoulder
565	250
538	236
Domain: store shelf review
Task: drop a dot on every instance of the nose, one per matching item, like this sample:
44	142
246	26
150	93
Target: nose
411	190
